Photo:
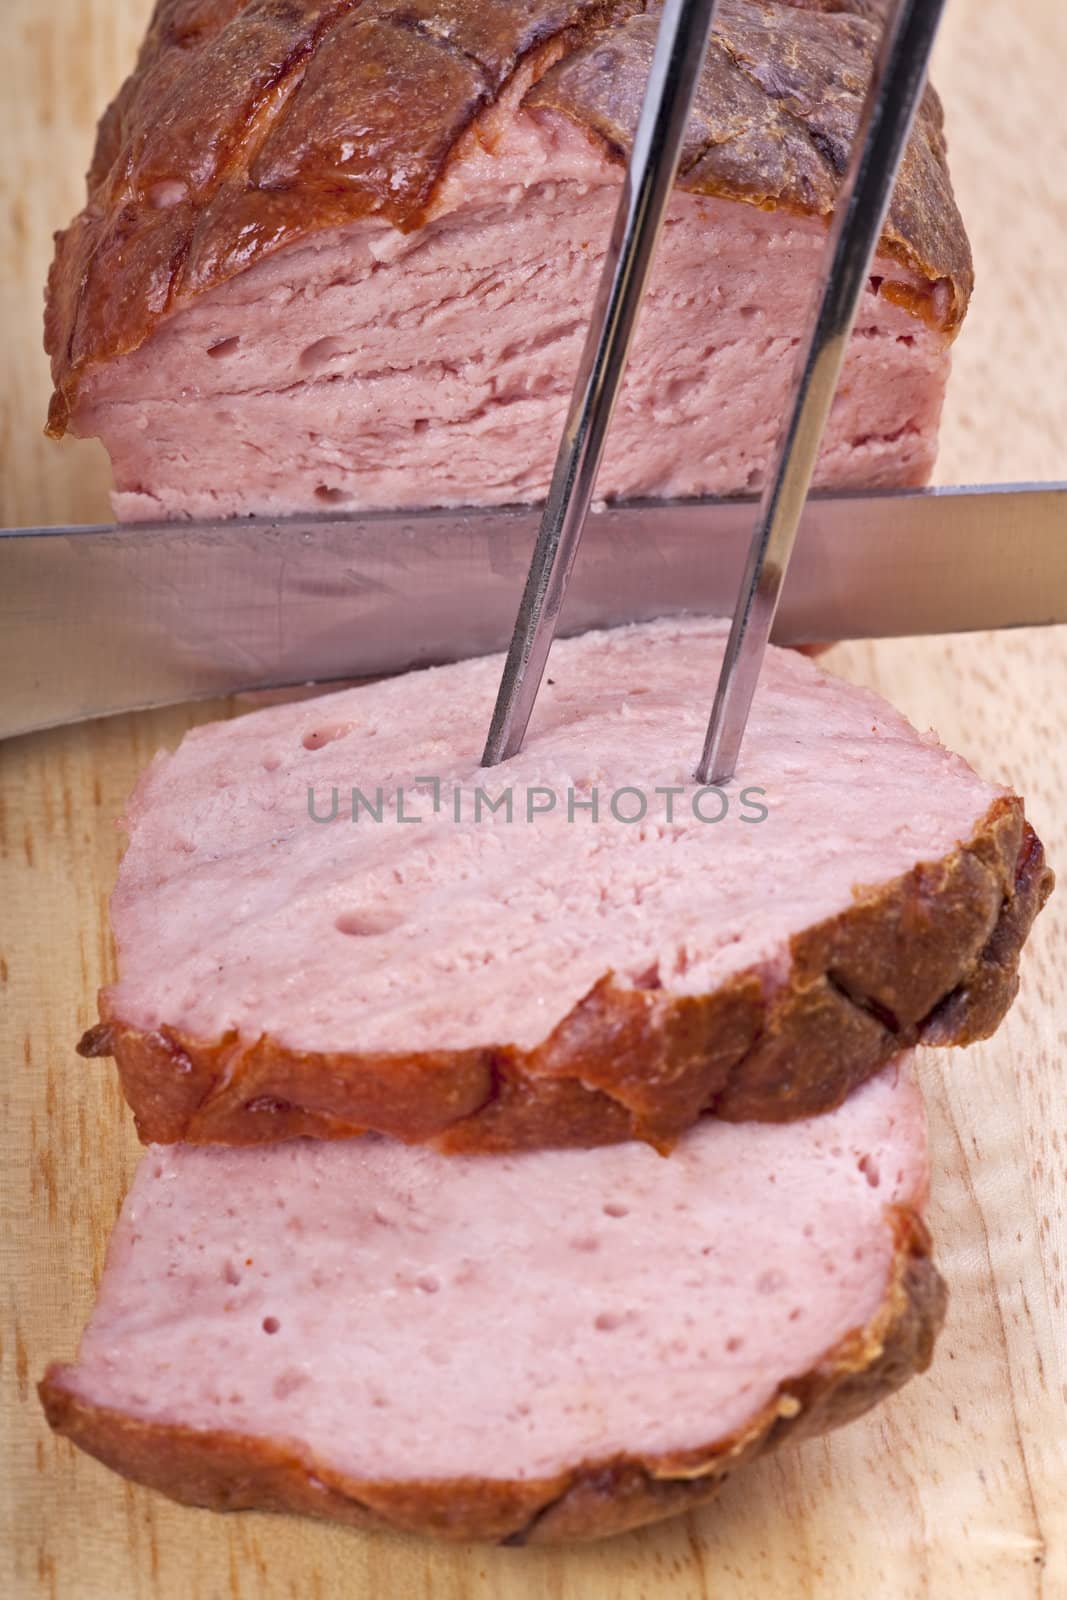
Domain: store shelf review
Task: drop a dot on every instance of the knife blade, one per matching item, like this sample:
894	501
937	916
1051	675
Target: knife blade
96	620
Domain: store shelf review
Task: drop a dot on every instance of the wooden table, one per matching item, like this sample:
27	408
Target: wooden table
958	1486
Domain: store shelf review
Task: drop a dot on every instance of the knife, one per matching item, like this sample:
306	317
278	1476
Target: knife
96	620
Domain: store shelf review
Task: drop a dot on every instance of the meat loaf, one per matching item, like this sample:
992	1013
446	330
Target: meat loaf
554	1345
609	952
342	252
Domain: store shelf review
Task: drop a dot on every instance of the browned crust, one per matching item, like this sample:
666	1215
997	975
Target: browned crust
234	1472
774	119
929	957
249	124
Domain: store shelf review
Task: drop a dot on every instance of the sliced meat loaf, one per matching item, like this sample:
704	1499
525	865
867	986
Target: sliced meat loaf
342	253
537	974
553	1345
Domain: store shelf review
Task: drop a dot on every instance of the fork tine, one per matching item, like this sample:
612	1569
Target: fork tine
892	100
681	45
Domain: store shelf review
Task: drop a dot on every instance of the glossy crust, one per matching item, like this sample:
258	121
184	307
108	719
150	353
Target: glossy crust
930	957
250	124
236	1472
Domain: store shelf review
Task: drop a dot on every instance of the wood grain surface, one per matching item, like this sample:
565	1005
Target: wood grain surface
956	1487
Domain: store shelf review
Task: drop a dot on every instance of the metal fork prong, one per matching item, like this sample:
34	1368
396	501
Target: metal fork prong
681	45
892	99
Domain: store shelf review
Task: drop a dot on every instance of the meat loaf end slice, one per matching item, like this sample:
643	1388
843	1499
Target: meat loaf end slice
558	977
554	1345
343	254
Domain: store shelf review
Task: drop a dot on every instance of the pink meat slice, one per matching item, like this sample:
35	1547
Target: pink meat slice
373	368
398	1314
236	913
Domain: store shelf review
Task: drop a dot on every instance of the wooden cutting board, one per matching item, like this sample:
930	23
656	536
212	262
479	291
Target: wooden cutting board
959	1485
